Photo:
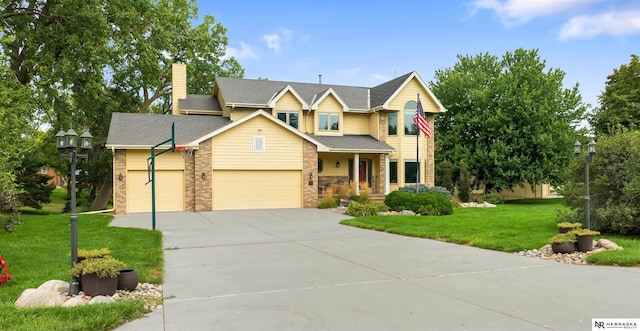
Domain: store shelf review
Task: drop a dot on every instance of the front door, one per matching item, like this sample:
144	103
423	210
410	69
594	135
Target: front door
362	176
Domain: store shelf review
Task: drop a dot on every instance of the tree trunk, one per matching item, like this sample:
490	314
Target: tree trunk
104	195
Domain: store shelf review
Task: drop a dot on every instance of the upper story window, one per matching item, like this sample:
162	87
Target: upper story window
329	121
392	123
410	128
290	117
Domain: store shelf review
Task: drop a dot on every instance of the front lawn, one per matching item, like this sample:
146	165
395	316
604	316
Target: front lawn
38	251
510	227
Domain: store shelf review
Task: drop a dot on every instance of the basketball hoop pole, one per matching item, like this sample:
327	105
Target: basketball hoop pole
152	177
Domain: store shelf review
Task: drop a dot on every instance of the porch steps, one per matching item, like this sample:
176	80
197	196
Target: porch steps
377	197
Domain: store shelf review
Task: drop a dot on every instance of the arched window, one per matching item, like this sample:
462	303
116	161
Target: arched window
410	128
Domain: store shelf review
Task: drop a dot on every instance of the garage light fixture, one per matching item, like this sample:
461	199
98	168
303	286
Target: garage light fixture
204	176
120	176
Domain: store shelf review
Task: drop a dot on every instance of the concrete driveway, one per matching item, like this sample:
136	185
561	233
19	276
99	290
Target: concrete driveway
298	269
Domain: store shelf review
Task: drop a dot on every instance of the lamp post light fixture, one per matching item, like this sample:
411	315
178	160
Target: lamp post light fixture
591	150
67	142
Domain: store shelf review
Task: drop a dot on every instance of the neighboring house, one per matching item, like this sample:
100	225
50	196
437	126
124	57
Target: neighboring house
55	176
269	144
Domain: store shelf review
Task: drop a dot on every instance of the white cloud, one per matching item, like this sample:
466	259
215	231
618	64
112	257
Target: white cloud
272	41
612	23
277	40
244	53
516	12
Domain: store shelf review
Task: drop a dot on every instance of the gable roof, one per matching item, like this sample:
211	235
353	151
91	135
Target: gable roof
254	93
142	131
386	92
260	112
258	93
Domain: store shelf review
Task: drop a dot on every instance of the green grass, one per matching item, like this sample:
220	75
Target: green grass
510	227
38	251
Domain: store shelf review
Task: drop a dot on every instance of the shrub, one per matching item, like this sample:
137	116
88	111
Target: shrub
365	208
615	184
426	203
568	237
326	203
444	175
424	188
464	185
103	267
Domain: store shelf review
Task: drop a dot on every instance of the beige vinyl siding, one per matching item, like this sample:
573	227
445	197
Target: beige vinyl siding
239	113
329	105
289	103
169	191
237	189
355	123
374	123
179	85
410	92
137	160
233	149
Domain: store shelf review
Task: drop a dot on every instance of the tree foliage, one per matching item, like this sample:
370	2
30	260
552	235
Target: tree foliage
80	60
615	184
620	100
510	119
35	187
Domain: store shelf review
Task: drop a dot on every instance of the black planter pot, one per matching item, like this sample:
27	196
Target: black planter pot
93	285
585	243
128	280
564	248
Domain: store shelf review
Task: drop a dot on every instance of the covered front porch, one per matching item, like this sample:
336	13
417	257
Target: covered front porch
355	161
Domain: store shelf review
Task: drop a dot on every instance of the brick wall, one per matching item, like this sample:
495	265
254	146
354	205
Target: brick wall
310	165
120	189
202	159
189	183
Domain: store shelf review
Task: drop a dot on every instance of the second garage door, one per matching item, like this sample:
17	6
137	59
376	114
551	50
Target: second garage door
257	189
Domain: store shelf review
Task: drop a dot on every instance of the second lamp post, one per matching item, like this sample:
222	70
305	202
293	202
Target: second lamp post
591	150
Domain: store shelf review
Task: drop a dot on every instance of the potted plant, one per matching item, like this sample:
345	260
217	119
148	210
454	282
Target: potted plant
585	239
564	227
92	253
563	242
99	276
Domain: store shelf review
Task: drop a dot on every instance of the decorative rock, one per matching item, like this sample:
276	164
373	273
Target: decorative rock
39	298
488	205
57	286
73	301
101	299
607	244
382	213
407	213
345	203
546	253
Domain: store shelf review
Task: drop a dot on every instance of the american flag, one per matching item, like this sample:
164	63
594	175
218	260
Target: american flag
421	121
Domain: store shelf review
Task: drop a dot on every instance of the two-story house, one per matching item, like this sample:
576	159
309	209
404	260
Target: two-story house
269	144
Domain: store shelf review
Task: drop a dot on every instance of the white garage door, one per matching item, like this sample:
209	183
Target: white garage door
169	191
254	189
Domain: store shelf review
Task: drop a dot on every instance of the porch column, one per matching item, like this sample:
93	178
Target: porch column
387	178
356	172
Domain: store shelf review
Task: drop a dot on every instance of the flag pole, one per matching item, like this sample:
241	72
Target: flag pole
417	149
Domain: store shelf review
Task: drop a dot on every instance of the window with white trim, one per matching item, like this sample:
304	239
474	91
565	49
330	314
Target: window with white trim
329	121
289	117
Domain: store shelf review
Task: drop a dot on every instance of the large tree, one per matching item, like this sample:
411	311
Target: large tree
620	100
510	119
81	60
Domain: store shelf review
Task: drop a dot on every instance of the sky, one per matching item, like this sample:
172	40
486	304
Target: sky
365	43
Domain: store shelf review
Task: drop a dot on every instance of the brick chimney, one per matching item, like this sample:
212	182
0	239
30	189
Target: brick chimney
178	86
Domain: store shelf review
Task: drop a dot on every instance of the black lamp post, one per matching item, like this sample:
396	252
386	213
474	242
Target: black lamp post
67	144
591	150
